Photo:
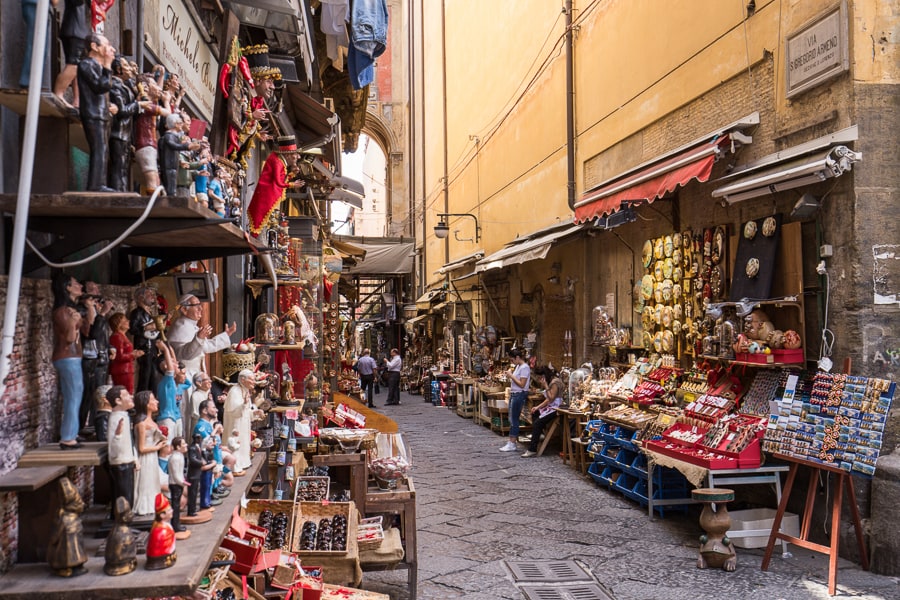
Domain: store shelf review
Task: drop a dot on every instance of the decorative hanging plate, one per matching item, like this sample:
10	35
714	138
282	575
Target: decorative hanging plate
752	268
678	311
666	288
676	292
676	274
750	230
769	226
718	246
647	286
667	268
677	256
668	341
668	245
658	270
658	249
666	318
647	253
676	240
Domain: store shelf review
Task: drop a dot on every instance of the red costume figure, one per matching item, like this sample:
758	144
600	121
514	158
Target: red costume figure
99	8
123	354
273	181
161	543
245	70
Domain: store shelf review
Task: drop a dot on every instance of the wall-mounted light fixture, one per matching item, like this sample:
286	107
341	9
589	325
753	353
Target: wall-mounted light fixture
442	229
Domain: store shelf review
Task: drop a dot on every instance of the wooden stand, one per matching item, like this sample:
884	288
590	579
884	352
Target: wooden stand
402	502
843	480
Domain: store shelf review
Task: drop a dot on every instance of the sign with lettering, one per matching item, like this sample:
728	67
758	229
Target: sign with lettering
181	48
818	51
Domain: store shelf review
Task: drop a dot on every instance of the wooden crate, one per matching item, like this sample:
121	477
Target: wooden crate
316	511
311	488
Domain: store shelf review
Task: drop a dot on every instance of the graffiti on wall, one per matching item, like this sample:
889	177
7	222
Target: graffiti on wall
881	351
886	273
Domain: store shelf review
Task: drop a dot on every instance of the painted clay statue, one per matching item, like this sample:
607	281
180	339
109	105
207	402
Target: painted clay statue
273	182
65	550
161	543
121	548
238	414
148	440
68	327
94	83
120	449
170	146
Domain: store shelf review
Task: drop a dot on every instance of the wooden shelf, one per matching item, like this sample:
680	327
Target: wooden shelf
34	580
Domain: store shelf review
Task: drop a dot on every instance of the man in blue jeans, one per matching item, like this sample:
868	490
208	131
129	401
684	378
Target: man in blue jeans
520	379
366	366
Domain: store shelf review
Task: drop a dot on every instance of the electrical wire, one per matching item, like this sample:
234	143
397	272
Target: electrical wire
827	334
106	248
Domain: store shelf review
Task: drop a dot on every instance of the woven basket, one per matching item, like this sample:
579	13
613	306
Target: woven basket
255	507
235	362
370	534
315	511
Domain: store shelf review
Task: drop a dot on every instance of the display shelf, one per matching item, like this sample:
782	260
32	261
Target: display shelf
34	580
401	502
620	466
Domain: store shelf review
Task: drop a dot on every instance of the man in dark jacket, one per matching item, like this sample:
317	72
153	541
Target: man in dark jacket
94	82
170	146
122	95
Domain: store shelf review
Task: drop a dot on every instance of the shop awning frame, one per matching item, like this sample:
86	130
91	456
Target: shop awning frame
663	174
461	262
534	246
810	170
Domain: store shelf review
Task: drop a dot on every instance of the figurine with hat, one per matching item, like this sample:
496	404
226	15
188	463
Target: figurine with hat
65	550
250	108
273	182
161	543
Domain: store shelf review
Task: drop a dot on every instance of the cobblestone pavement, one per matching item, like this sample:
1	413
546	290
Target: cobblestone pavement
478	507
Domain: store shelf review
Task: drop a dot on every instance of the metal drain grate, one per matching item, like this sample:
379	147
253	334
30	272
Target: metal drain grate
547	571
586	591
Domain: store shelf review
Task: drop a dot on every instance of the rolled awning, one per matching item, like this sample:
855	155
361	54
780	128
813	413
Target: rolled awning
532	247
461	262
651	182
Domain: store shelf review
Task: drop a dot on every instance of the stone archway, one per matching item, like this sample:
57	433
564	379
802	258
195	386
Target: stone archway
382	131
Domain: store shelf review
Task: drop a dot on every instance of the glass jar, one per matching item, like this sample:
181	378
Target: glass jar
267	329
602	326
575	389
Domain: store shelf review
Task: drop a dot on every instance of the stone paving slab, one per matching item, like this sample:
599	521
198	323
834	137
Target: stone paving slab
478	507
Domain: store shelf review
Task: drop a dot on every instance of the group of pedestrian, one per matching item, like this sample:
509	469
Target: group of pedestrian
371	374
541	414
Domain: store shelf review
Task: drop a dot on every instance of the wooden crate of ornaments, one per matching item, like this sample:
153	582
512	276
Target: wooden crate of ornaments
309	488
314	512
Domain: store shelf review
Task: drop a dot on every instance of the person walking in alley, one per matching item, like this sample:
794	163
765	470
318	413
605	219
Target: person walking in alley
519	377
545	412
393	377
365	367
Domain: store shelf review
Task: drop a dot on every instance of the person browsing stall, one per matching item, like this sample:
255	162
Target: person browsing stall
519	377
545	412
366	367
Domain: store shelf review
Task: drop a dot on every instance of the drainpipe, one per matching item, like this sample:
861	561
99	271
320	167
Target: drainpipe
444	84
26	172
570	109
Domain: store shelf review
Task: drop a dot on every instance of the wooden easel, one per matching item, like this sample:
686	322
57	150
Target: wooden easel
843	480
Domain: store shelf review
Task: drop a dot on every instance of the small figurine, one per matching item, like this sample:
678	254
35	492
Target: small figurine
122	353
144	336
194	474
73	31
170	145
65	550
102	410
95	347
234	441
121	547
149	440
123	95
273	181
177	484
120	449
161	543
238	414
68	327
191	342
94	83
146	137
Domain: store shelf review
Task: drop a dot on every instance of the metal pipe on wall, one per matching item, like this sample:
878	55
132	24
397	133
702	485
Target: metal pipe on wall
570	109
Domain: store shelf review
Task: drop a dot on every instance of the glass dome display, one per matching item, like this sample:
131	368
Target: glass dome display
268	329
390	460
603	327
577	379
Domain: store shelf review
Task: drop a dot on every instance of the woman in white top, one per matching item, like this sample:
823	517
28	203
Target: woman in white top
545	412
520	379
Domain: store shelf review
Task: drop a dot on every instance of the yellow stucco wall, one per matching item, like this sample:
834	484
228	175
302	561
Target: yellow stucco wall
636	61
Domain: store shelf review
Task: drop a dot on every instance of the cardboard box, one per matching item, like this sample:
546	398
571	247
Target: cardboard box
759	520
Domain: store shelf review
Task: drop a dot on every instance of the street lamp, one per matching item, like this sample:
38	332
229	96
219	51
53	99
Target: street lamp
442	229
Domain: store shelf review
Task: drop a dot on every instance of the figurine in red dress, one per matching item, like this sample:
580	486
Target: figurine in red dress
161	543
123	354
273	182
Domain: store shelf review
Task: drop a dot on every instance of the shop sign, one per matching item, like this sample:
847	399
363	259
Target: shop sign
180	46
818	51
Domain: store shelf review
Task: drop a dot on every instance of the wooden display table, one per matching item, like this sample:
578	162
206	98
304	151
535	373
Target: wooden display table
34	580
402	502
566	418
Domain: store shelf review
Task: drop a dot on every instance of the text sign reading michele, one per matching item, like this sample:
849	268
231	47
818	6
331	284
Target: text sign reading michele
817	52
184	51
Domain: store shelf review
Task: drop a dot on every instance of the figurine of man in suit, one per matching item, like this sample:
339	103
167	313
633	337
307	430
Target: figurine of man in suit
94	83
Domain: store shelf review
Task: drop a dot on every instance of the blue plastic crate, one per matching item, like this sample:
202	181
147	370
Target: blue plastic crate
639	465
625	438
595	470
624	483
